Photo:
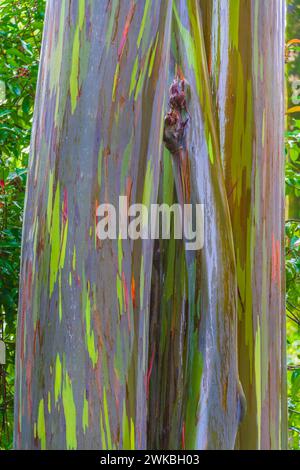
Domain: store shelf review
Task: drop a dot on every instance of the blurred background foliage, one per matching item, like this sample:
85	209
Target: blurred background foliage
21	24
292	240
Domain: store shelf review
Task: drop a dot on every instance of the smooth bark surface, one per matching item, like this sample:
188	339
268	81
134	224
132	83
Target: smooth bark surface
84	307
212	402
245	47
133	344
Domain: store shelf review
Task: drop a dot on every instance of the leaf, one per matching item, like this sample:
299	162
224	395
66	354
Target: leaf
15	89
5	112
292	41
27	47
295	109
294	154
26	105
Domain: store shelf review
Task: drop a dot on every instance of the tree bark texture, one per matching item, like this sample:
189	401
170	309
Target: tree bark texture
131	344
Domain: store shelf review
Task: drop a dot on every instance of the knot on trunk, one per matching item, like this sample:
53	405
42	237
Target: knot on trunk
177	118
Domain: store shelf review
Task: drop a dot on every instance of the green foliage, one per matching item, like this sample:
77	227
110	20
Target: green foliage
21	25
292	32
293	328
292	232
293	159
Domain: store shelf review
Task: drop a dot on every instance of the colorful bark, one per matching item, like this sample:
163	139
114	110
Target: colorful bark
245	47
83	330
86	374
212	401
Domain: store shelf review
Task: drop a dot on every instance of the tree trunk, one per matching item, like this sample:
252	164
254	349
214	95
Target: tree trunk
245	47
212	402
84	307
127	344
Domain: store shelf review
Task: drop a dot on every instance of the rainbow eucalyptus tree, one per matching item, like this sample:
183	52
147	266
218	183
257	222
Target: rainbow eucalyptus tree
134	344
245	57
